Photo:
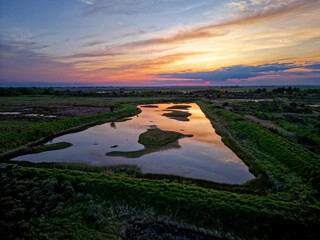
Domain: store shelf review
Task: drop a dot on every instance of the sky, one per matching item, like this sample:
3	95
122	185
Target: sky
159	42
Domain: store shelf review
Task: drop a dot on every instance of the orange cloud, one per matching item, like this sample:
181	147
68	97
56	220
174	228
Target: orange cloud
207	31
140	59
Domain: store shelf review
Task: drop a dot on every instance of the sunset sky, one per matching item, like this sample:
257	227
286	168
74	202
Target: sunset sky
159	42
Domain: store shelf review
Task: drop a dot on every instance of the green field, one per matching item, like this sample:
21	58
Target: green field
288	165
74	201
48	99
43	131
298	119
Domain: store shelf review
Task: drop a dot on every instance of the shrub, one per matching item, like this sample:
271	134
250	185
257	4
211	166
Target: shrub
94	214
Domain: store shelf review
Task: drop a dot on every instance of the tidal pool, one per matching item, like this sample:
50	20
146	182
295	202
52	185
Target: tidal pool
202	156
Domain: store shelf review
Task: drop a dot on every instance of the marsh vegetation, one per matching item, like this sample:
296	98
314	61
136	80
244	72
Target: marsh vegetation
67	200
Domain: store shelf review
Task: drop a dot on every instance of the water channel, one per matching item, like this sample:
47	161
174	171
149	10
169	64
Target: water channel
202	156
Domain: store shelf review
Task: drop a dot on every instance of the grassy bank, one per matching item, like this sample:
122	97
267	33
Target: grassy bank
240	215
48	147
42	132
294	116
293	171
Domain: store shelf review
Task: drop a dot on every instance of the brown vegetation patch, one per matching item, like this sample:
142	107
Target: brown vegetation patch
44	111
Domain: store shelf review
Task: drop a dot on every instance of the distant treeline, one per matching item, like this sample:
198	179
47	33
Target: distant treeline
42	91
122	92
269	92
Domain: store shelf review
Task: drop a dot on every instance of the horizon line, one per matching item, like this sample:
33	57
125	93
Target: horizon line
26	85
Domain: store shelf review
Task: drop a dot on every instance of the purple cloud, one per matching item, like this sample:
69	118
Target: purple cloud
245	73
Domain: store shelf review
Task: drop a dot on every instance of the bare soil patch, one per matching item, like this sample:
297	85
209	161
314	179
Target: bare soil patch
50	112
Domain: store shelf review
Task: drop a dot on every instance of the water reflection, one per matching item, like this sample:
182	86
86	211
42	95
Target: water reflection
178	112
202	156
178	115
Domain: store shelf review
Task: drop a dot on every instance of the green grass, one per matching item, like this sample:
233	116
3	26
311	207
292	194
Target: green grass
59	207
302	121
53	100
286	205
293	170
114	170
47	130
48	147
12	127
157	137
242	215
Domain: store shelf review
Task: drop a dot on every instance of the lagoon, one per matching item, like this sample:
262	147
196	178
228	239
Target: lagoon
202	156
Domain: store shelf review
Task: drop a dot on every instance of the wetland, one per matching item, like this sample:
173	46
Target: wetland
183	142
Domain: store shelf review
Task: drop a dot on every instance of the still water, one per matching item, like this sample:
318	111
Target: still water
202	156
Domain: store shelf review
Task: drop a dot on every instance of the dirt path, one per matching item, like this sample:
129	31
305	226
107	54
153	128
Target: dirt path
268	124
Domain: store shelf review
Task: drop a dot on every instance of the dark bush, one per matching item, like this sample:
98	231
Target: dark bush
225	104
94	214
305	140
274	130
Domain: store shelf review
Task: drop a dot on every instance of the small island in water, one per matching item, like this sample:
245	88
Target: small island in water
153	140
